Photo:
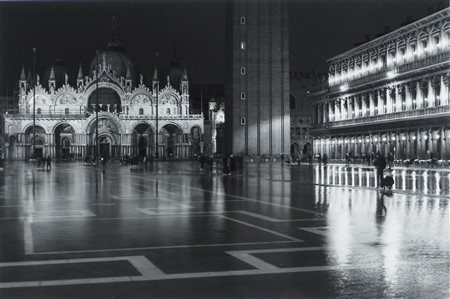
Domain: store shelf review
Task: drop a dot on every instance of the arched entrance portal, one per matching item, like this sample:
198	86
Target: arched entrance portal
12	147
172	136
108	134
307	150
104	143
143	140
63	140
38	144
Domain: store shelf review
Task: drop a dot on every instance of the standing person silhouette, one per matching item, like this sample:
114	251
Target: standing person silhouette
380	165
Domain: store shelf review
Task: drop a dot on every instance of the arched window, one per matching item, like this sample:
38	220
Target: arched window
141	111
242	70
38	110
66	111
168	111
242	20
242	95
242	45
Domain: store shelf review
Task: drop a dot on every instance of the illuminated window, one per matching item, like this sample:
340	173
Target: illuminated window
242	70
242	45
242	20
243	121
242	95
141	111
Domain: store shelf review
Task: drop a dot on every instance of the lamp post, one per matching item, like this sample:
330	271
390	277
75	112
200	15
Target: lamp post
34	81
157	111
96	108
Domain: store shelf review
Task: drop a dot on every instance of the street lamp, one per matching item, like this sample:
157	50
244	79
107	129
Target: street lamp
96	108
157	109
34	81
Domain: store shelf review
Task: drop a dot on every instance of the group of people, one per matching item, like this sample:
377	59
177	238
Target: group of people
384	181
231	164
45	161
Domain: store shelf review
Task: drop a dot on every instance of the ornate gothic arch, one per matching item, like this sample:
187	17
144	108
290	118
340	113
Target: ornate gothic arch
87	93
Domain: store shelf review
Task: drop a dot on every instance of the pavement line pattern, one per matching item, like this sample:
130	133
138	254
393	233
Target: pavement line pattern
151	273
271	219
319	230
162	247
262	228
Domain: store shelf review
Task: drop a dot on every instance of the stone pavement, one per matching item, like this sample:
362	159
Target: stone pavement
177	232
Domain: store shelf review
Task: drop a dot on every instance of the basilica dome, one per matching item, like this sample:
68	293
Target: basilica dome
117	59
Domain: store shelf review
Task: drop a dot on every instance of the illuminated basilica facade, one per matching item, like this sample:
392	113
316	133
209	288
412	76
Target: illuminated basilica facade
128	120
390	95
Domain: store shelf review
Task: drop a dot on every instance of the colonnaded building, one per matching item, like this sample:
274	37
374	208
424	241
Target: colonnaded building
390	95
128	120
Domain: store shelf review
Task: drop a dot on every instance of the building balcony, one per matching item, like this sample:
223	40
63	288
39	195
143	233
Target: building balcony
396	116
404	67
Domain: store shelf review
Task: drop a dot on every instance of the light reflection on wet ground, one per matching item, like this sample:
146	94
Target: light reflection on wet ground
376	245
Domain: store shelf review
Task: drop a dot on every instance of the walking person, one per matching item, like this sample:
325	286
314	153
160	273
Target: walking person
144	160
49	163
282	159
226	170
210	162
380	165
103	161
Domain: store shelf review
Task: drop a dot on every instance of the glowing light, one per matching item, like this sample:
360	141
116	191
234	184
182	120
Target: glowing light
425	137
390	74
414	137
437	136
360	140
375	139
353	140
384	139
343	87
393	138
403	138
367	139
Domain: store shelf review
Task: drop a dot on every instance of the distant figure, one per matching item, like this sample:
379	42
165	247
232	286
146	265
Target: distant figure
241	164
325	159
144	160
319	158
310	159
202	161
282	159
210	163
347	159
380	165
49	163
232	163
2	162
226	170
368	159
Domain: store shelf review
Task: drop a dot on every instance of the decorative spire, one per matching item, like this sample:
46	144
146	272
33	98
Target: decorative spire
185	76
128	75
80	73
168	80
22	74
155	74
52	73
66	79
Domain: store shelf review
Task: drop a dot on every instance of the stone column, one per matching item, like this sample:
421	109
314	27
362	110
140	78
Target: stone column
350	103
372	103
390	95
444	89
380	101
398	98
419	96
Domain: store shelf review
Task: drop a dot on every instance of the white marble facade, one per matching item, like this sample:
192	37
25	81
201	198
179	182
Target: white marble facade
65	118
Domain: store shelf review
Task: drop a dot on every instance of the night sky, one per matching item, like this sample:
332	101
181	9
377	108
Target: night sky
72	31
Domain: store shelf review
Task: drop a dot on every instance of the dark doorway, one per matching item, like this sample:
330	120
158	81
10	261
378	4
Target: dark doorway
142	147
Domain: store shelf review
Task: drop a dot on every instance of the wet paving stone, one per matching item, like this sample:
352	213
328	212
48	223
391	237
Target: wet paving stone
177	232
